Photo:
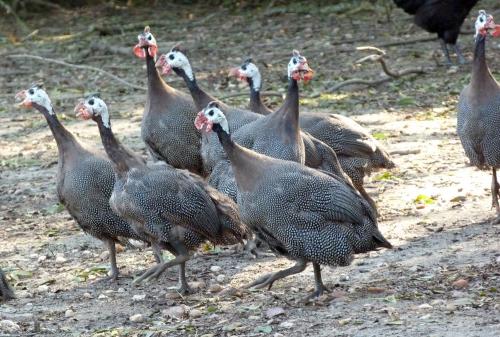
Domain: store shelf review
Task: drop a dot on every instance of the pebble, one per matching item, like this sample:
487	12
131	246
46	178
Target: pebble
197	285
460	284
42	258
215	288
104	255
60	258
287	324
42	289
220	278
195	313
69	313
121	290
9	326
215	269
425	306
344	277
137	318
138	298
254	318
178	312
102	297
87	295
172	296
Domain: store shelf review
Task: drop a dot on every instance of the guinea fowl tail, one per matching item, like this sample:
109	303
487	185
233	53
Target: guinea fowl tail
233	230
379	239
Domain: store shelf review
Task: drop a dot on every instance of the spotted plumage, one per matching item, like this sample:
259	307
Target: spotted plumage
167	128
176	209
478	114
357	151
301	213
84	182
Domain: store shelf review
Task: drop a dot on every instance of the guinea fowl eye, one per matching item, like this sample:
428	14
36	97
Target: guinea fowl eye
294	61
244	67
481	19
150	37
211	113
171	56
91	102
31	91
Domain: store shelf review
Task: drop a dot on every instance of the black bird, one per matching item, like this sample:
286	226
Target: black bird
444	17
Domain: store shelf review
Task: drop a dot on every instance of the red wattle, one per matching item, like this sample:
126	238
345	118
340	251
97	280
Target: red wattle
152	50
200	120
139	51
496	32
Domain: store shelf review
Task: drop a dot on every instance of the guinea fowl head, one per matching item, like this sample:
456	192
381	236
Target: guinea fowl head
147	44
298	68
175	60
35	96
247	71
93	107
210	118
484	24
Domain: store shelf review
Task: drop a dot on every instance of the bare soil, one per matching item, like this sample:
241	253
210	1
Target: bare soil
441	279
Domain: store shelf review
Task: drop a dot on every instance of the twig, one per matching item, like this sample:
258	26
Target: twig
378	57
404	152
263	93
76	66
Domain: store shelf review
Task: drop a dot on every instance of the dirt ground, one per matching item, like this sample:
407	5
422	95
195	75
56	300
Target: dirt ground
441	279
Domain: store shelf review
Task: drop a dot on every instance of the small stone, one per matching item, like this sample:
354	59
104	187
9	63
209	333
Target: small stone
9	326
138	298
172	296
137	318
42	258
87	295
287	324
178	312
424	306
197	285
215	288
277	334
215	269
121	290
451	307
60	258
254	318
104	255
195	313
273	312
42	289
338	293
220	278
460	284
375	290
102	297
69	313
344	277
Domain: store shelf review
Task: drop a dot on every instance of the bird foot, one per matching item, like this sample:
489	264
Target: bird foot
153	272
261	282
113	278
316	294
185	290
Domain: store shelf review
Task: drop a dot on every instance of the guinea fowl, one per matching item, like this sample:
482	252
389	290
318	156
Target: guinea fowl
278	135
211	150
479	108
6	292
301	213
167	124
444	17
176	209
84	181
357	151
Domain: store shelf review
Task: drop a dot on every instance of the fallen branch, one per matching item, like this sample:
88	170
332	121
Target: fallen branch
75	66
404	152
378	57
263	93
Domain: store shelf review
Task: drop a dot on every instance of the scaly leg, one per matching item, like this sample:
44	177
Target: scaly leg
112	259
269	279
444	47
184	289
495	193
460	57
319	286
157	253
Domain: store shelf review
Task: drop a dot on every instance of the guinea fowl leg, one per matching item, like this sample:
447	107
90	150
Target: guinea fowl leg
157	253
460	57
319	286
494	195
184	289
112	260
269	279
444	47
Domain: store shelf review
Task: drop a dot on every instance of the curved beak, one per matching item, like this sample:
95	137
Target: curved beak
22	99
